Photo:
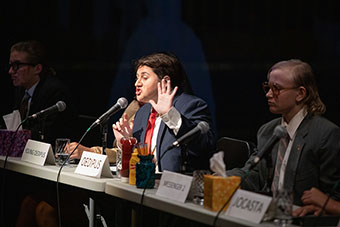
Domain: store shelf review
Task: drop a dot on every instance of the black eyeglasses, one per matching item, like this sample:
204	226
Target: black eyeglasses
17	65
276	89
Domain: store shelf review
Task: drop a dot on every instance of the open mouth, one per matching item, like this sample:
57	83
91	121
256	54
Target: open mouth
138	91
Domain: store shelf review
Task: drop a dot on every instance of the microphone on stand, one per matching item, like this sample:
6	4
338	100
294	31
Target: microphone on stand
279	132
121	104
201	128
58	107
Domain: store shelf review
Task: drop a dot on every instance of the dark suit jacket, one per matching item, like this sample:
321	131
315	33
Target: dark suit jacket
193	110
313	161
47	93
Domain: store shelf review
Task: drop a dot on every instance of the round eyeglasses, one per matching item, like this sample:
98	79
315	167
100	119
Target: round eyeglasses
276	89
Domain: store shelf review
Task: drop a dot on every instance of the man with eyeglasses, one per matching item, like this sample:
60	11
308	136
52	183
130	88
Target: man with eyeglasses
38	88
309	155
36	82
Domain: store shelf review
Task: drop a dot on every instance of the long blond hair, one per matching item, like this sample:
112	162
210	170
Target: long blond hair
304	76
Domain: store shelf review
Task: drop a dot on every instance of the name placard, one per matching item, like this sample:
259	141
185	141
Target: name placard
174	186
94	165
248	205
37	152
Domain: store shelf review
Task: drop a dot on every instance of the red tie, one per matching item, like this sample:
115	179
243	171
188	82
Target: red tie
149	129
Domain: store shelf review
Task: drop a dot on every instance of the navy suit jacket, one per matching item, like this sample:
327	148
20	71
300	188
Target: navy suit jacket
313	161
192	110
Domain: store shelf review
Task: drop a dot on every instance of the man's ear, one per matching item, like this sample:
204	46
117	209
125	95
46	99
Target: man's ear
38	68
166	77
302	93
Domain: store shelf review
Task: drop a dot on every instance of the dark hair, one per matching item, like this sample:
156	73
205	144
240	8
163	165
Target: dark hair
36	54
165	64
303	76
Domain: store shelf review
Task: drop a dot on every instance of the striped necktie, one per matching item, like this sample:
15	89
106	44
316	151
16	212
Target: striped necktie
280	155
24	106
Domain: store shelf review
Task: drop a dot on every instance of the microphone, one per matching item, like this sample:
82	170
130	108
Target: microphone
279	132
121	104
58	107
201	127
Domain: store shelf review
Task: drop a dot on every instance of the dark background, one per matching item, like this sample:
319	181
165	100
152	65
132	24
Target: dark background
239	39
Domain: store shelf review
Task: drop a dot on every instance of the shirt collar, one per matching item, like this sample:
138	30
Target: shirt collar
294	122
31	90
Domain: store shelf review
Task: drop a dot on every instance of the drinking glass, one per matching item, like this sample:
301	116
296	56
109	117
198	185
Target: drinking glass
62	151
197	187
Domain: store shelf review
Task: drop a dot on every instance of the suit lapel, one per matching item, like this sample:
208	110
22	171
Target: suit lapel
275	147
274	154
19	94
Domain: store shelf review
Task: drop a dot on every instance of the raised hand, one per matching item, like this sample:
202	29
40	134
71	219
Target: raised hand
122	128
165	97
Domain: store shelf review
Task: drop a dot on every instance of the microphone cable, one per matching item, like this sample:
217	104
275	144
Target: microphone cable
228	200
251	166
58	175
203	126
3	183
142	197
12	141
279	132
122	105
145	186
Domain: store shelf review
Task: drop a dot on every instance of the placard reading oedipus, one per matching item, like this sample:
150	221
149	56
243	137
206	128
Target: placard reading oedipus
93	165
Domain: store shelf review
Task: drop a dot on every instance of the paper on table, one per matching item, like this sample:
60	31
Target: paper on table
12	120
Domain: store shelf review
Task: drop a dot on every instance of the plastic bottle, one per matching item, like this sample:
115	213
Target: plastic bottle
132	167
127	148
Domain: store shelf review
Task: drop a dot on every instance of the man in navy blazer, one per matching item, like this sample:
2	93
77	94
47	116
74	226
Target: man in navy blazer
160	85
312	156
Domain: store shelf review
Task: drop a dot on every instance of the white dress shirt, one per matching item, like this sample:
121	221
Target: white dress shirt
173	120
291	127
